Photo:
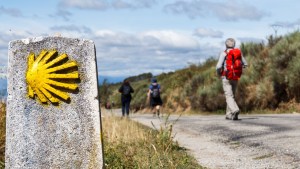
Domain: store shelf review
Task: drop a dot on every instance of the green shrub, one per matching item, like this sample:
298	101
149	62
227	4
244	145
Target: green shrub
251	49
293	77
285	67
139	97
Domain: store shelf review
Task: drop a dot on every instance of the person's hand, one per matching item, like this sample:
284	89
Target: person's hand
219	72
148	99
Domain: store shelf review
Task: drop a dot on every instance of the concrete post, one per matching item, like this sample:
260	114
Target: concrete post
53	115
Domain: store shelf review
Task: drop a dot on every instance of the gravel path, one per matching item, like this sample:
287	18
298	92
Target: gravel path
253	142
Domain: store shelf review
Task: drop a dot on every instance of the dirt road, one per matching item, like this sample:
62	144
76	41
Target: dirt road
253	142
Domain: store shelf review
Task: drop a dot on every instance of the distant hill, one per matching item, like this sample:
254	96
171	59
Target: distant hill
110	79
3	83
3	87
120	79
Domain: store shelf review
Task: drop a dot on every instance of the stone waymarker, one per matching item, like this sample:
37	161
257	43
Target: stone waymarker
53	116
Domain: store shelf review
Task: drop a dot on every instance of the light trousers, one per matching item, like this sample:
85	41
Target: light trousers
229	87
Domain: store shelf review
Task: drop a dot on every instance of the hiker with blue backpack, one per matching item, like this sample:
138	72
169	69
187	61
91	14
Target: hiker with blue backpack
229	67
126	91
154	96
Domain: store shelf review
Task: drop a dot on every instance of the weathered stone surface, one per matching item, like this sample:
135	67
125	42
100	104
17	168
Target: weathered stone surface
40	135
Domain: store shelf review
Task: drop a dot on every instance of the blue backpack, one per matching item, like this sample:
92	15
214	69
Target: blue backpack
155	91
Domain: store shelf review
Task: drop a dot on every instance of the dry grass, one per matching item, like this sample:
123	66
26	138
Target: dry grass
128	144
121	130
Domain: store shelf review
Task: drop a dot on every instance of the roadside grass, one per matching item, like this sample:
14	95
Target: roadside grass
128	144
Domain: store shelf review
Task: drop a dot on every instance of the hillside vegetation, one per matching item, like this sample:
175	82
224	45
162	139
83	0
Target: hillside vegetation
269	82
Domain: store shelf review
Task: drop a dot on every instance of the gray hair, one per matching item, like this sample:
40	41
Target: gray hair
230	43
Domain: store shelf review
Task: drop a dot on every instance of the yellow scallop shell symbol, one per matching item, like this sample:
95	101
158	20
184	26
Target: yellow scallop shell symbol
51	77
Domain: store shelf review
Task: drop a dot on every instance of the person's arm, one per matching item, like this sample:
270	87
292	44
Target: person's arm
148	96
149	91
220	63
159	88
121	89
131	90
245	64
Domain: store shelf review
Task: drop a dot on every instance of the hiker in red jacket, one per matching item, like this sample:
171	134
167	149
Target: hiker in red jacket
229	67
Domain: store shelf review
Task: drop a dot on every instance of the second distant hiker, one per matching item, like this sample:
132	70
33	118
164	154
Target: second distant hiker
126	91
154	95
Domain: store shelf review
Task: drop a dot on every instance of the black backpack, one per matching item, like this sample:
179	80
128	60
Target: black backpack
155	91
126	90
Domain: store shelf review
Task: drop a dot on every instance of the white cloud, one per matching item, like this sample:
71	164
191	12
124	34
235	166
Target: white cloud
86	4
170	39
11	12
72	28
106	4
233	11
60	13
133	4
230	10
204	32
127	54
150	39
287	24
103	33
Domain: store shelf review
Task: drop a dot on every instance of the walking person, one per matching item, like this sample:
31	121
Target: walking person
154	95
125	91
229	67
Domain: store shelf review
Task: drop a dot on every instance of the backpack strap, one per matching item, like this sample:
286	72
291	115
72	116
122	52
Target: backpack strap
223	63
225	58
221	70
233	64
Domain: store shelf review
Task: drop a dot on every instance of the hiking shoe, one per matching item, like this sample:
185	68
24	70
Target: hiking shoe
228	118
235	115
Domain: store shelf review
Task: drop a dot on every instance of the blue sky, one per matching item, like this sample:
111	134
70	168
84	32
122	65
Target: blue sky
139	36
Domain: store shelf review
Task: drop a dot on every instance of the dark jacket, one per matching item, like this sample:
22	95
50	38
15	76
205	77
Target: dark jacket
126	97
